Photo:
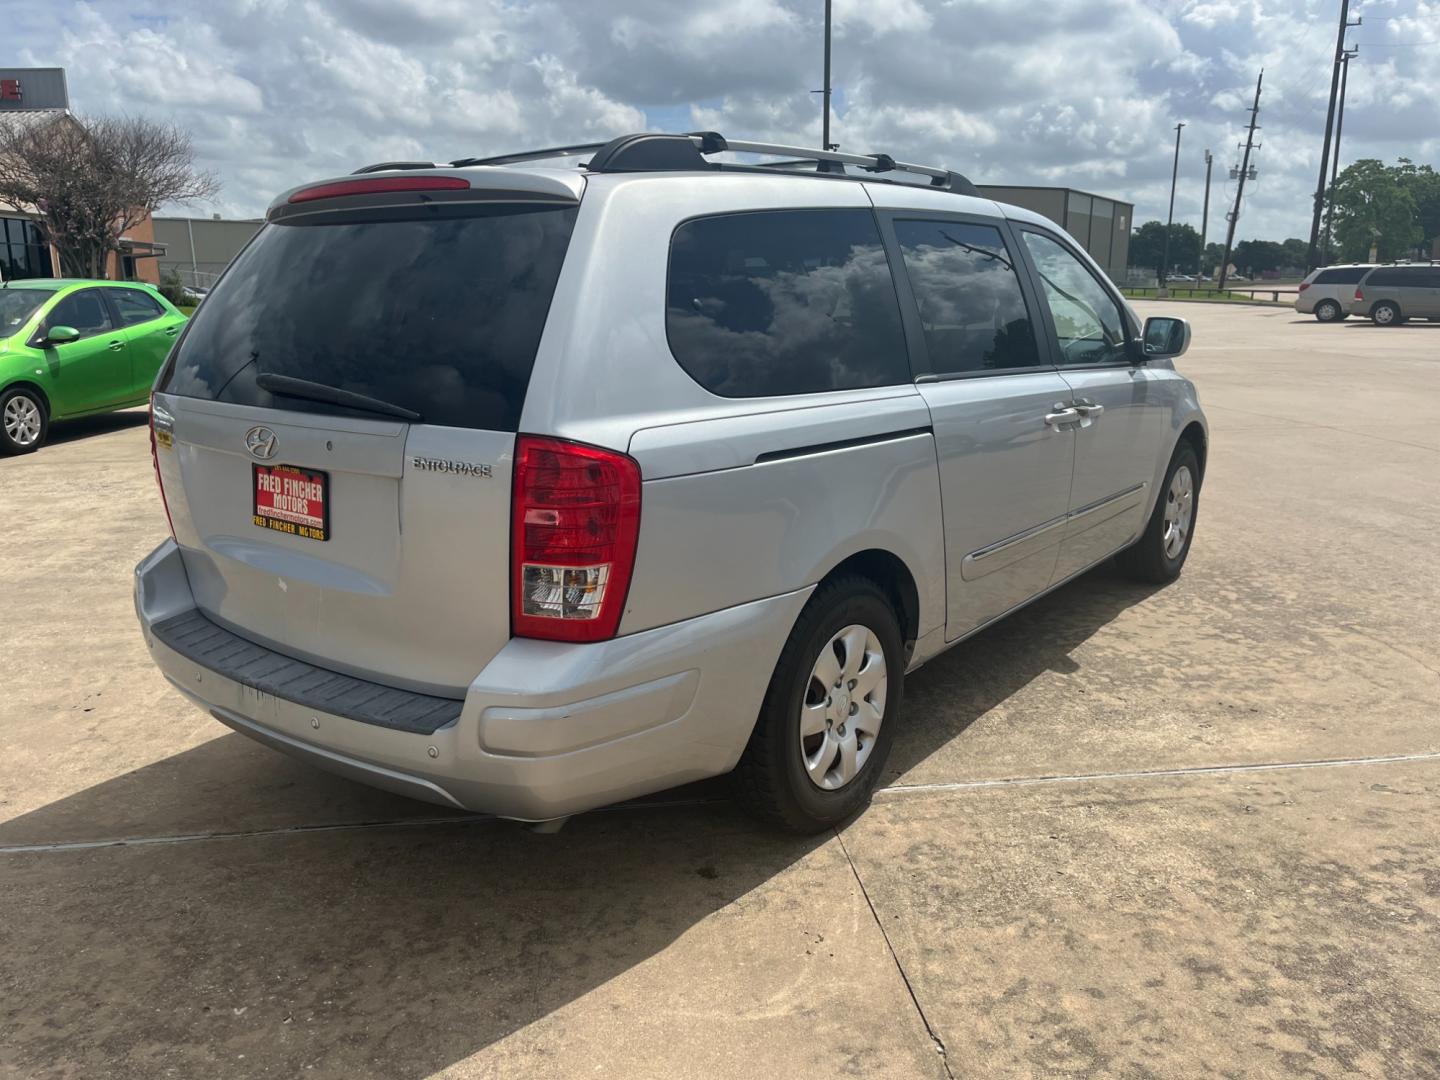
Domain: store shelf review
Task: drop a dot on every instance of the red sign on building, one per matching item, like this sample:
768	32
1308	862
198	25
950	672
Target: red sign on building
10	90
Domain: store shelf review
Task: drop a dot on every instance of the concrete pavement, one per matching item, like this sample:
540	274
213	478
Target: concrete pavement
1085	864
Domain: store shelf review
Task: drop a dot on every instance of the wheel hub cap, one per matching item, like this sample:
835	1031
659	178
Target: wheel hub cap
843	707
22	420
1179	511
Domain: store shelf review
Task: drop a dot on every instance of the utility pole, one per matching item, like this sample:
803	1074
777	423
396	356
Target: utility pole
825	93
1234	214
1345	59
1170	218
1311	259
1204	220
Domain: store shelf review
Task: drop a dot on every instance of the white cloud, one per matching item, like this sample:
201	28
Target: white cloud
1080	92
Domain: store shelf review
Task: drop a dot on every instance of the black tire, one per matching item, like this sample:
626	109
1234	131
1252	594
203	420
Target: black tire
1386	313
1147	559
12	439
1329	311
771	781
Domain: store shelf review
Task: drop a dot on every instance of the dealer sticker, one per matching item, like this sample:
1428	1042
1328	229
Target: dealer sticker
292	500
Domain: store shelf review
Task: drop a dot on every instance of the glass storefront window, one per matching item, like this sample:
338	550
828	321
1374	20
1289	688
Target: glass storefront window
23	251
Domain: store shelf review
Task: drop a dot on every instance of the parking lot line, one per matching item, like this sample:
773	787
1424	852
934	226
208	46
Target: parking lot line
892	790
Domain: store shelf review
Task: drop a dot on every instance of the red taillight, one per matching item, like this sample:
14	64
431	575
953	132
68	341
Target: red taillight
1358	294
575	520
379	185
155	461
1303	286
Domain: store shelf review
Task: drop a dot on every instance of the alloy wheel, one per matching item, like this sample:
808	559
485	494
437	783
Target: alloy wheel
843	707
22	420
1179	512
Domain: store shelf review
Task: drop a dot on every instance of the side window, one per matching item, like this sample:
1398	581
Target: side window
784	302
1348	275
134	306
84	310
1089	324
969	297
1397	277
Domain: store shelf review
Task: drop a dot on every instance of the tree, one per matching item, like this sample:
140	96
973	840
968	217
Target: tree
1423	183
90	181
1296	252
1147	247
1253	257
1375	204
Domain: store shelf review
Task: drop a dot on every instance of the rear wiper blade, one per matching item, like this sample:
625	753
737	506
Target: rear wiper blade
287	386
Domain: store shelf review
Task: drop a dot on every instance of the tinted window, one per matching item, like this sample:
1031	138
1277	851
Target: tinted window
16	307
134	306
1088	322
1347	275
785	302
84	311
969	297
439	311
1413	276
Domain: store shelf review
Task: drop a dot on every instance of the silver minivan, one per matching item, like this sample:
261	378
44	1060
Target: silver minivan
526	486
1326	291
1390	295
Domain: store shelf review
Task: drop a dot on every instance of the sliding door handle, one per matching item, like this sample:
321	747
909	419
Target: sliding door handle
1062	416
1089	409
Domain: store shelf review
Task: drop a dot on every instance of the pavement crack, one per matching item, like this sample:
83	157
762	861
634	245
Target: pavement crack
909	989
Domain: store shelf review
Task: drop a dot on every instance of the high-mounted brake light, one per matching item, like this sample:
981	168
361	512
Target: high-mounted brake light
575	521
155	461
379	185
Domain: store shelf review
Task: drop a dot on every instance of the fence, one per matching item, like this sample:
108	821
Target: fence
1213	293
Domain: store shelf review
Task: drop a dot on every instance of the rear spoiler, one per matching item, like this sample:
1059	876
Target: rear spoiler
374	189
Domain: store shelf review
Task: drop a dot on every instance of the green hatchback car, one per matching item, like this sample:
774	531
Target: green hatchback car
72	348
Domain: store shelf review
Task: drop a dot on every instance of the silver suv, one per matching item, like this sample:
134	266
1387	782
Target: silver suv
527	487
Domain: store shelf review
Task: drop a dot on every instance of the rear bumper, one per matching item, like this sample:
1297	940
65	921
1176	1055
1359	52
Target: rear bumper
546	729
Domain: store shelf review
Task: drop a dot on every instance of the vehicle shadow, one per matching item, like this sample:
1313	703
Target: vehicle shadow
400	949
63	431
958	687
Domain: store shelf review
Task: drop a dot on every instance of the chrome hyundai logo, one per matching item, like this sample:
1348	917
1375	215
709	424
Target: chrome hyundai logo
260	441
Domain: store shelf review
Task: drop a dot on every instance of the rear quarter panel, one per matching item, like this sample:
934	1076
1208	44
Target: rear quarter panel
750	529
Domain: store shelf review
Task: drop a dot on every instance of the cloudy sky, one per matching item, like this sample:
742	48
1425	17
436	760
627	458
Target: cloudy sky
1075	92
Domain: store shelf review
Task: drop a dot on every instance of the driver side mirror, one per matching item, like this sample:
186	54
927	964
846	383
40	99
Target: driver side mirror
1164	338
60	335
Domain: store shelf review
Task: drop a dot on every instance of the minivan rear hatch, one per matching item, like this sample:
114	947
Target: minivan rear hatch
336	426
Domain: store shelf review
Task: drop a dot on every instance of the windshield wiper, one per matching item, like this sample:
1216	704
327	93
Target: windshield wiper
287	386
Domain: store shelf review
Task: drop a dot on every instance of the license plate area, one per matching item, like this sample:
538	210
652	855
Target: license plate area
291	500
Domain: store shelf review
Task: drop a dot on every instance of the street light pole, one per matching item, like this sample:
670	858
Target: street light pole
1170	219
1339	124
825	93
1204	219
1312	256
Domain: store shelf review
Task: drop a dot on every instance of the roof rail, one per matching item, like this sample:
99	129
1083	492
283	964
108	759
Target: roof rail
653	152
383	166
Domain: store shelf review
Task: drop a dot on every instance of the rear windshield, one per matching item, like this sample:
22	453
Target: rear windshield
439	311
1344	275
17	305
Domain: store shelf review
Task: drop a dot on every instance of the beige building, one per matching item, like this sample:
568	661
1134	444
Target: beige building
35	96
